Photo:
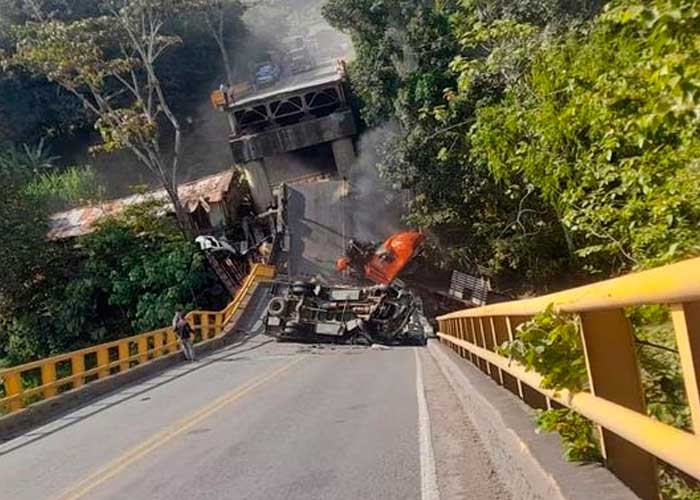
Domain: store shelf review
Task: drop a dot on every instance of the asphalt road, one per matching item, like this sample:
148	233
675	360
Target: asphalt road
257	420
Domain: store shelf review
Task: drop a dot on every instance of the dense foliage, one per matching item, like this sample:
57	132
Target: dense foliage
128	276
537	135
409	54
605	126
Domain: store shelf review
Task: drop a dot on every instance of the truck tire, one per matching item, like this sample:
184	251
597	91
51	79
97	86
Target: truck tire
276	307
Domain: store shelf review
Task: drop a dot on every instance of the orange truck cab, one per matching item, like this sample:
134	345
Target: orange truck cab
388	259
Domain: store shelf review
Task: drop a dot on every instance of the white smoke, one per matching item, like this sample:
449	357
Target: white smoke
376	207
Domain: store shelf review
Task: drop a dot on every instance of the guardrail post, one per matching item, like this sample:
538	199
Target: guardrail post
13	387
204	325
172	339
218	324
456	328
686	322
471	337
158	340
512	324
123	349
613	374
499	325
490	339
77	363
142	344
48	376
487	343
102	362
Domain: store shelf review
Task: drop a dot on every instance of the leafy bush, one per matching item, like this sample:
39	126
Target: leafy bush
577	434
141	264
127	277
605	127
550	344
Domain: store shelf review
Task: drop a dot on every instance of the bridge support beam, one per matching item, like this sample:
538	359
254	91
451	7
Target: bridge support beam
259	184
344	155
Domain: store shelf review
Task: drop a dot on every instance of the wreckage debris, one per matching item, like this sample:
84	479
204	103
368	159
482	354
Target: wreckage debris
310	312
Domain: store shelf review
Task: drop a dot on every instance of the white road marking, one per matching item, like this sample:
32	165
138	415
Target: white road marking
428	474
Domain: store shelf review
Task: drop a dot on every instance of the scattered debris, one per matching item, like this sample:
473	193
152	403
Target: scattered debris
381	263
310	312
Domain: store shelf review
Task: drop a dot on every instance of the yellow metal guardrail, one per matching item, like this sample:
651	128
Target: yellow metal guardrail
74	369
632	442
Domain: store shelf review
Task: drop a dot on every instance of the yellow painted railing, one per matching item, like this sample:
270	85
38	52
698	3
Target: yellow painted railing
632	442
52	376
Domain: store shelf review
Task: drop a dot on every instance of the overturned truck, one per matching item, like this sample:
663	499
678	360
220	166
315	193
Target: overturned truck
310	312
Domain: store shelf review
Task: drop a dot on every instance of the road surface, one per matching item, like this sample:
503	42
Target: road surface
261	420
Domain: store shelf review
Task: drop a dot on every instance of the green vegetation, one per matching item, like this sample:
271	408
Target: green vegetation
550	344
537	137
110	61
127	277
32	106
129	69
577	434
605	127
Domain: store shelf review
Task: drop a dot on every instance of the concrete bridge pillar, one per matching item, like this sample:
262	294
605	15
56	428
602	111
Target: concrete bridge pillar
344	154
259	183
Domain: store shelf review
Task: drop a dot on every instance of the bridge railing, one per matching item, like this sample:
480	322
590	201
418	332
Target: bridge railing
25	384
631	441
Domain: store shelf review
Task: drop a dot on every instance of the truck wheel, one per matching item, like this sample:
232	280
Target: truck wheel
276	306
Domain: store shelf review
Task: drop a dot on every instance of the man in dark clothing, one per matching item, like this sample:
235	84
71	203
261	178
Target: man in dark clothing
184	333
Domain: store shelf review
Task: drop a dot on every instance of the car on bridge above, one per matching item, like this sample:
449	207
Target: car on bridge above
266	74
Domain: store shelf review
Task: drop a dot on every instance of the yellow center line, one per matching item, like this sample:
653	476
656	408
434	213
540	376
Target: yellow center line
158	440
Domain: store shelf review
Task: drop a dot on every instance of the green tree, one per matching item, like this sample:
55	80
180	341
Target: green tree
24	223
128	276
408	57
605	127
142	265
110	64
36	270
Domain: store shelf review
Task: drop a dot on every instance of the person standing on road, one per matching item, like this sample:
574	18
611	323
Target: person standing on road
184	333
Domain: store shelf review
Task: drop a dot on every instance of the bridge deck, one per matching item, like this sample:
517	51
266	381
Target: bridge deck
261	419
323	74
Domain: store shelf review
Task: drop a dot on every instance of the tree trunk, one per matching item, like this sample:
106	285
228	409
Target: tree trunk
183	217
226	60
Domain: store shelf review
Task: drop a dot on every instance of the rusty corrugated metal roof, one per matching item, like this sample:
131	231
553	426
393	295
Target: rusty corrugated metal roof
83	220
